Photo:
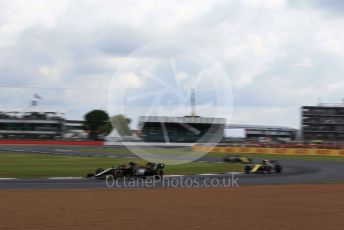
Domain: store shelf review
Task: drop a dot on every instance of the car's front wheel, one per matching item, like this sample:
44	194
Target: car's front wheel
159	176
117	174
248	169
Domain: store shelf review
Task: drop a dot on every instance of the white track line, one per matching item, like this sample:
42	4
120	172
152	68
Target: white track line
207	174
235	173
69	178
63	178
174	175
166	176
63	150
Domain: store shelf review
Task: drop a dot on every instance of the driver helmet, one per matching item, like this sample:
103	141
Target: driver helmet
266	162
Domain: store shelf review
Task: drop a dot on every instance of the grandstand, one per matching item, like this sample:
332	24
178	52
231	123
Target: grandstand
181	129
264	131
35	125
324	122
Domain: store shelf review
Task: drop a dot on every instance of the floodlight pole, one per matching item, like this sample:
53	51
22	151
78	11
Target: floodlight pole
193	102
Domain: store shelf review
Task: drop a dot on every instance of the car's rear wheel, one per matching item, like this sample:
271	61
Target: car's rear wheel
268	170
278	168
159	176
89	175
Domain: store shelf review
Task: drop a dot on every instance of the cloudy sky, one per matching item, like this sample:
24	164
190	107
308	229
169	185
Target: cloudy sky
277	54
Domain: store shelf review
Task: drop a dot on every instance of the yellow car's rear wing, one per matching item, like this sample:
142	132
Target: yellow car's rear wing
245	160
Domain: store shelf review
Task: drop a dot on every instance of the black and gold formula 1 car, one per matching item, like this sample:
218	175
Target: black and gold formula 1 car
131	170
267	166
237	159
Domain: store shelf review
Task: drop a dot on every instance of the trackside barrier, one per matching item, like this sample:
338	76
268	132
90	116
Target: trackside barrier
33	142
279	151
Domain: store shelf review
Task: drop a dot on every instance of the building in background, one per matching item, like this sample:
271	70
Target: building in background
38	125
260	132
74	129
324	122
31	125
181	129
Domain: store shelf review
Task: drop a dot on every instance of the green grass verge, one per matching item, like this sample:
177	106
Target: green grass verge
184	152
45	165
282	157
117	151
27	165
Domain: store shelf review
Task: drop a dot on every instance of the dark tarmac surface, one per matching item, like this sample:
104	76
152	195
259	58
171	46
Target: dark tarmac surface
295	172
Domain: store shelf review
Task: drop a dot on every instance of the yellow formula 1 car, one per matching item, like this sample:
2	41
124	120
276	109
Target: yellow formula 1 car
237	159
267	166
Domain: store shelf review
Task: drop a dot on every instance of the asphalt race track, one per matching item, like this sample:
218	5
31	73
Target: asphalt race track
294	172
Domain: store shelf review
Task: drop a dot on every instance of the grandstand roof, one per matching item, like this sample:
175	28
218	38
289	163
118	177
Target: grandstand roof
189	120
260	127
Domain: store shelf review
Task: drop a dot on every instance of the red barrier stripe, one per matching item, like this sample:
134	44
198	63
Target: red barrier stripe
32	142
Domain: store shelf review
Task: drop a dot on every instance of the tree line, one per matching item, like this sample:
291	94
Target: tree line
98	123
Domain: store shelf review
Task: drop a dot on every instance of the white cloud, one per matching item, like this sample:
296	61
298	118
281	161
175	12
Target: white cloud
130	81
303	62
278	54
182	76
50	71
266	116
24	13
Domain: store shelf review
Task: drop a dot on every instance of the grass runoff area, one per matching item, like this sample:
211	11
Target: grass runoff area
45	165
183	151
29	165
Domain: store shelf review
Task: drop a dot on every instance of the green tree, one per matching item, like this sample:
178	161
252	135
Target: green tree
97	122
121	124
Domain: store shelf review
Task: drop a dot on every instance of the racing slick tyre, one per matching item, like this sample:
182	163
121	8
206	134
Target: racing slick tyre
248	169
160	175
268	170
117	174
278	168
89	175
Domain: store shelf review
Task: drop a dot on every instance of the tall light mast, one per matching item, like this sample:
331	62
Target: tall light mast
193	102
